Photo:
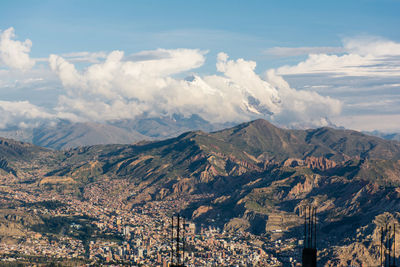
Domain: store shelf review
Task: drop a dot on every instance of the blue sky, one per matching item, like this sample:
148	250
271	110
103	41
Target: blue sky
240	28
271	33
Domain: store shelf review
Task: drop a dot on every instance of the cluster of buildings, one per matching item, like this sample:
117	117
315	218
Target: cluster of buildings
38	245
138	235
145	234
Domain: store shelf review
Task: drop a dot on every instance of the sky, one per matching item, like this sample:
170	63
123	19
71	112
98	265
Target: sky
296	63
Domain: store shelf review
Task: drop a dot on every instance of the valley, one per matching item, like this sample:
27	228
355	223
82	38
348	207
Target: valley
243	188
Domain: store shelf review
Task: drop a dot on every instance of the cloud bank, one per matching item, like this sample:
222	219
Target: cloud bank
119	88
332	83
366	56
364	77
21	114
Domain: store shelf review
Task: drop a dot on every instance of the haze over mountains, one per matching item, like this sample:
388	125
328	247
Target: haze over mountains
65	134
253	177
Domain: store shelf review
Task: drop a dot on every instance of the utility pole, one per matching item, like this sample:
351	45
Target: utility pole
388	246
309	254
178	241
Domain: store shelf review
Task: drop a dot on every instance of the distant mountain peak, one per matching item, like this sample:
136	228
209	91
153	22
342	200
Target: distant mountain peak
262	123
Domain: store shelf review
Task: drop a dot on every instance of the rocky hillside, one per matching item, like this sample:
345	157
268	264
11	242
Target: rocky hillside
255	176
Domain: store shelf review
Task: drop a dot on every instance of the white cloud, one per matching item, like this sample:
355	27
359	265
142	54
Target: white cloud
117	88
114	86
15	54
22	114
85	57
305	50
69	76
120	88
364	78
369	45
363	57
241	73
149	55
369	122
303	108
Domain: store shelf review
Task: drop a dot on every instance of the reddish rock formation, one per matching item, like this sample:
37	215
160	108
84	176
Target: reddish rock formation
201	210
319	163
301	189
292	162
208	174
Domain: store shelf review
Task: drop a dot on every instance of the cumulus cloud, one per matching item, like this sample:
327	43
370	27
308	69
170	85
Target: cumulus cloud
15	54
303	108
115	86
124	87
370	45
352	85
364	77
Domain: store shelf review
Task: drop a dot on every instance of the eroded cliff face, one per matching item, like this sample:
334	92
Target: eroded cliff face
320	163
315	163
201	211
365	247
305	185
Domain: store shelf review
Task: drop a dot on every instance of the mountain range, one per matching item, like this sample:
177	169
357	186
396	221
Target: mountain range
64	134
387	136
257	177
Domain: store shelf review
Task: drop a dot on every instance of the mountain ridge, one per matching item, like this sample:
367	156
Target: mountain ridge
65	134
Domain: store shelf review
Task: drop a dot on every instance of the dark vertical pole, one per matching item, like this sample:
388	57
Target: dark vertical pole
390	245
305	227
381	246
309	226
315	227
177	242
386	241
312	226
172	240
309	254
394	244
183	243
